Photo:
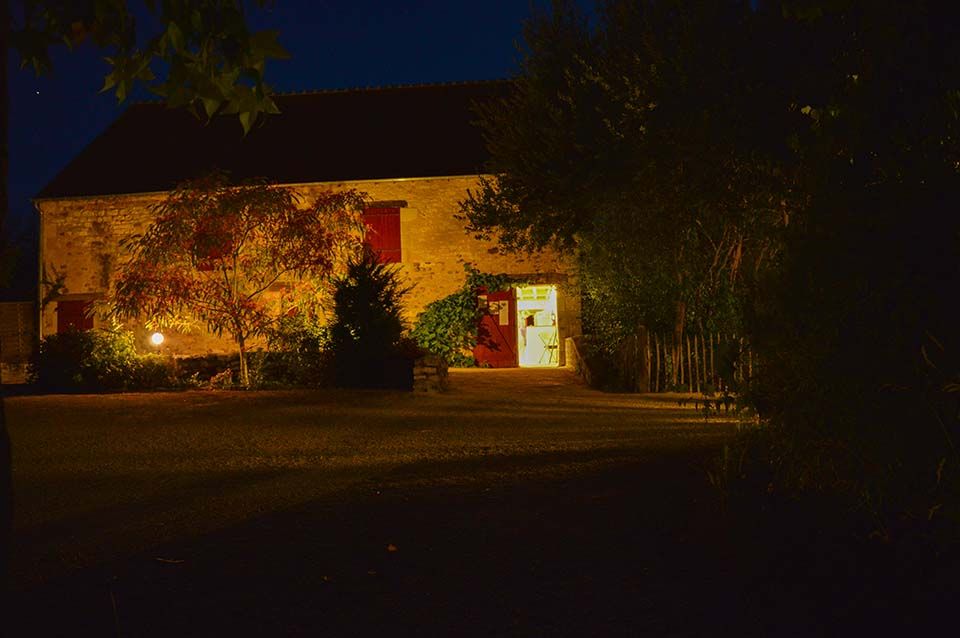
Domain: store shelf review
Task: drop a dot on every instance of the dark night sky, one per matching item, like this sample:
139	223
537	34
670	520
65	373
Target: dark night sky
333	43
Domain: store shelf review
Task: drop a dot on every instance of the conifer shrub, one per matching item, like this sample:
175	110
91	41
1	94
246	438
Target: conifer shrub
367	328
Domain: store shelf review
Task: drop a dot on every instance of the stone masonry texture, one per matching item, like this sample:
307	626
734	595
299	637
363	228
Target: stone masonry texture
81	240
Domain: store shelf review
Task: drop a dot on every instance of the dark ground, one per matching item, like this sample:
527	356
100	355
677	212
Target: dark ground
521	503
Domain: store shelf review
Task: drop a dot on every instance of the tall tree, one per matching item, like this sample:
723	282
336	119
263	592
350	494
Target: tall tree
236	258
646	145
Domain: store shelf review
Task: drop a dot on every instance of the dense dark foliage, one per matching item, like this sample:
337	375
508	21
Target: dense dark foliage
644	146
858	328
367	325
298	354
787	169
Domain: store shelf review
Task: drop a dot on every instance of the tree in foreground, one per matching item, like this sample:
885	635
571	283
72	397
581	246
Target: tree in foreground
213	63
236	258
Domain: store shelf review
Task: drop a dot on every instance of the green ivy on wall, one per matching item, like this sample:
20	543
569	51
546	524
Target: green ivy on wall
448	327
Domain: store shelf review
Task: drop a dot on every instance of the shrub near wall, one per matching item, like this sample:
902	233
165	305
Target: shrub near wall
298	354
97	360
448	326
366	331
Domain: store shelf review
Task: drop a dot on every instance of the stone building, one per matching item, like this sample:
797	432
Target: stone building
414	150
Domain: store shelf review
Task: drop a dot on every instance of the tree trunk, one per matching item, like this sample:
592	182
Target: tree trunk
680	318
244	372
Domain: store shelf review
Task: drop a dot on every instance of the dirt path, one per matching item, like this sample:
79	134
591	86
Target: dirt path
519	503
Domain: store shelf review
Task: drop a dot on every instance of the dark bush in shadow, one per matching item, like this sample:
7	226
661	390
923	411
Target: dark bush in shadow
98	361
291	369
367	328
298	354
596	366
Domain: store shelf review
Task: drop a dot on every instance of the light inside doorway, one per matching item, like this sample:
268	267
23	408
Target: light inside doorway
538	340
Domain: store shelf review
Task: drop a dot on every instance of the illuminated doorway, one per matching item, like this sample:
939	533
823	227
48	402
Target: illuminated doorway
538	344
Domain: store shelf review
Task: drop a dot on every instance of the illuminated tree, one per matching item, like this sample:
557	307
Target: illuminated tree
236	258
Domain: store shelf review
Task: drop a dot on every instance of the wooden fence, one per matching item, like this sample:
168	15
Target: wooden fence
651	362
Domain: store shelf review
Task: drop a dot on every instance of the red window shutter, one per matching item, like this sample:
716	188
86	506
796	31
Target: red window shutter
383	233
72	315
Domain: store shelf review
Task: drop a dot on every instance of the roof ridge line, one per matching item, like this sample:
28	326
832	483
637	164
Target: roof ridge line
387	87
364	89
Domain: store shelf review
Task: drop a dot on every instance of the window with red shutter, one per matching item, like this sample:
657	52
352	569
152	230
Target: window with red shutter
73	315
383	233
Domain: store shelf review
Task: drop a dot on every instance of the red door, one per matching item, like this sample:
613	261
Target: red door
497	334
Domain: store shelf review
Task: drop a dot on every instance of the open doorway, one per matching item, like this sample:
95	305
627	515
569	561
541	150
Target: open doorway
537	336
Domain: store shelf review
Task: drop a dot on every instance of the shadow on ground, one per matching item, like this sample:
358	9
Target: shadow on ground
593	518
618	549
633	546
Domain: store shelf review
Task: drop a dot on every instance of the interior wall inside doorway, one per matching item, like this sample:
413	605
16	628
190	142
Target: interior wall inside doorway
537	333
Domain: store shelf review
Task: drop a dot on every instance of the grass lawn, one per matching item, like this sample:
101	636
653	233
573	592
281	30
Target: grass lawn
520	503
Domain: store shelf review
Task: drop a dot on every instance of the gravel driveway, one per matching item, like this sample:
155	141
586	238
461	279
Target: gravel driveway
334	509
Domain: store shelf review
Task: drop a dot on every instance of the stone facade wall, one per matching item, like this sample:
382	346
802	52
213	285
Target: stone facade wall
80	239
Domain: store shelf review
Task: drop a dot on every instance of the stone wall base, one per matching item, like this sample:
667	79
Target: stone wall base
430	374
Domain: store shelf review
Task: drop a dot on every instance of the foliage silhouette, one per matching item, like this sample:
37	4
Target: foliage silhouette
785	169
367	325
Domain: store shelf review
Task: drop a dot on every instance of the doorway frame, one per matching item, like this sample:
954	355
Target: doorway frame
551	347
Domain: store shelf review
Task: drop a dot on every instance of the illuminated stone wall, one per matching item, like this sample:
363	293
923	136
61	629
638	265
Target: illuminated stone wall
80	238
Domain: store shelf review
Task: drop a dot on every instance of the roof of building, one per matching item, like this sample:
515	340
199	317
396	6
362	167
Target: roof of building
393	132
